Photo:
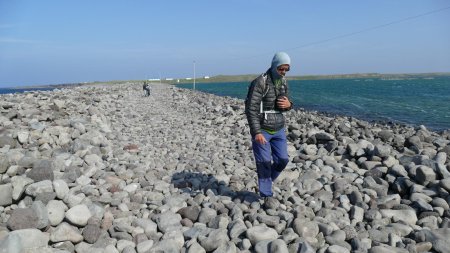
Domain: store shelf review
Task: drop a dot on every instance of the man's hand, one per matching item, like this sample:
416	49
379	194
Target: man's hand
283	102
259	138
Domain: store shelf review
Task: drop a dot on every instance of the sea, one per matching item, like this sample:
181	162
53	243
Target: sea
412	101
22	90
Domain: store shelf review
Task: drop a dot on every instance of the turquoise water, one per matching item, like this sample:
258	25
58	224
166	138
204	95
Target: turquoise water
413	102
17	90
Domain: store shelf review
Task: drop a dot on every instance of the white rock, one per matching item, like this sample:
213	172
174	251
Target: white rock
56	210
441	158
145	246
19	183
110	249
83	180
260	233
39	187
122	244
92	159
22	136
131	187
79	215
407	216
64	138
60	104
66	232
27	238
61	188
6	194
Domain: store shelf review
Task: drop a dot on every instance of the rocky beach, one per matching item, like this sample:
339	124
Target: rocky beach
101	168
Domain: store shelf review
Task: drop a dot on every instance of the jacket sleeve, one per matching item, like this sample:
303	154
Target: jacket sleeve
285	92
253	103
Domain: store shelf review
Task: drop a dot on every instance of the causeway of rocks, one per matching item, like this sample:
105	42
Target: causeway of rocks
101	168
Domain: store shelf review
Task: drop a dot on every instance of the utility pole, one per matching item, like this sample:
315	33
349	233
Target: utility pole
194	75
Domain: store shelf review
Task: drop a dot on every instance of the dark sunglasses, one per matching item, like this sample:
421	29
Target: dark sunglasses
283	69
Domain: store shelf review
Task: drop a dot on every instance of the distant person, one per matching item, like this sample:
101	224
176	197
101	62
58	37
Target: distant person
146	88
266	101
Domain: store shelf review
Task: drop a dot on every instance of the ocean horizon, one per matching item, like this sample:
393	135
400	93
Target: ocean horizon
21	90
411	101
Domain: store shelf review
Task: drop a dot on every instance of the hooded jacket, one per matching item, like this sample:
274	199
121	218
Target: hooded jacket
263	89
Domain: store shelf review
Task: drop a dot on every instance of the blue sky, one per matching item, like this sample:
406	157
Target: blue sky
51	42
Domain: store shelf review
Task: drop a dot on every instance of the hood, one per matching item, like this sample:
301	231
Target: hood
279	59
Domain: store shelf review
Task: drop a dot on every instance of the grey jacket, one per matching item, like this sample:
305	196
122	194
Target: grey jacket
263	89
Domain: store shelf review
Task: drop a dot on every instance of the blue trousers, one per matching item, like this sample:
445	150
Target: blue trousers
271	158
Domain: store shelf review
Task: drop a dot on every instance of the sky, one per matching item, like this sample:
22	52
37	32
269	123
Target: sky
55	42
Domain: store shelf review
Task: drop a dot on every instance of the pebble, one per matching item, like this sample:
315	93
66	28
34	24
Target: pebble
6	194
24	240
78	215
260	233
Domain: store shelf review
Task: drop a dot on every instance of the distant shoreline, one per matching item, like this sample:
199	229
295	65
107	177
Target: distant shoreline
44	86
244	78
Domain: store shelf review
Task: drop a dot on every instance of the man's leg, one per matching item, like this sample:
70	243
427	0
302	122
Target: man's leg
279	153
263	166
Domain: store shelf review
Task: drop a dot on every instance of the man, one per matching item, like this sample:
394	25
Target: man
267	98
146	88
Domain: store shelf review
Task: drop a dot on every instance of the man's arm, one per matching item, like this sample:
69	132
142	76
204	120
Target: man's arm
252	105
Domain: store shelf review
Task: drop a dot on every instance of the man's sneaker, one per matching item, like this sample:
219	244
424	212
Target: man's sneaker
271	203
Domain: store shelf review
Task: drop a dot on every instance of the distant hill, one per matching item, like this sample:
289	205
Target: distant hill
250	77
